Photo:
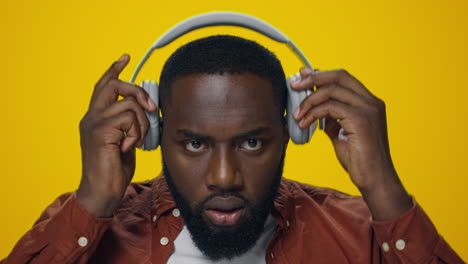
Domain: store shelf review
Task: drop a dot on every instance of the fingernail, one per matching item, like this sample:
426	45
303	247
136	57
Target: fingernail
306	71
295	83
296	78
122	58
151	104
296	113
301	123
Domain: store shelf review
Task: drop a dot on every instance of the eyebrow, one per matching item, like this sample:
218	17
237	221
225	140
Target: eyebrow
191	134
253	133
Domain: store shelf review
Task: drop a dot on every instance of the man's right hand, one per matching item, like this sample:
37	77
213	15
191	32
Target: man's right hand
110	131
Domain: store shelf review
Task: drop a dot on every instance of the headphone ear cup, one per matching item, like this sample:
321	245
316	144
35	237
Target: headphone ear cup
295	98
153	135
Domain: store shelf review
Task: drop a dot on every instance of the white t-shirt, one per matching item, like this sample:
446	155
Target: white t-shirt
185	250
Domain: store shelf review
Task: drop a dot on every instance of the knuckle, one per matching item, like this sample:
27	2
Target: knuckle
130	115
112	82
342	72
97	84
381	104
85	123
378	106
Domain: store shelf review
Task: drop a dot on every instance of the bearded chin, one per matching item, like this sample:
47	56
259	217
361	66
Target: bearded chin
226	243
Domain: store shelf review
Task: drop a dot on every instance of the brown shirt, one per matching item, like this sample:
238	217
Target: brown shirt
315	225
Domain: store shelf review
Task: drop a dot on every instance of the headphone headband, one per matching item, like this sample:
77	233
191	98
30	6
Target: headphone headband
220	19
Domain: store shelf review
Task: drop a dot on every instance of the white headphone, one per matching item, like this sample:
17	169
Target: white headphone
298	136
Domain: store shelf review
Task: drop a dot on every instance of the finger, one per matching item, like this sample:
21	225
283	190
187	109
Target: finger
332	129
129	104
328	92
127	130
304	81
115	88
330	109
132	136
112	73
341	77
307	70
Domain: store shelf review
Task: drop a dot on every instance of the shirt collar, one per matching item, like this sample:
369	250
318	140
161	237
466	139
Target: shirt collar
161	198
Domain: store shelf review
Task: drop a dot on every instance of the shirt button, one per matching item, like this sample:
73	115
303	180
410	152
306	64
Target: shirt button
82	241
272	255
164	241
400	244
385	246
176	212
155	217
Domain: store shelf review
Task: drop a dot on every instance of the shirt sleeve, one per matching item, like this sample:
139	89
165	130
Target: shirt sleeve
65	233
412	238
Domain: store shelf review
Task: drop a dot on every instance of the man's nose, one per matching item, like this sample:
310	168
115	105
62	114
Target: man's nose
224	172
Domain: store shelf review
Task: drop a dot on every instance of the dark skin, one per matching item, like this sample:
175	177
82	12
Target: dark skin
227	158
365	155
226	135
109	131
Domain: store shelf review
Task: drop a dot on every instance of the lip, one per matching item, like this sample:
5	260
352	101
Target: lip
224	211
221	218
222	203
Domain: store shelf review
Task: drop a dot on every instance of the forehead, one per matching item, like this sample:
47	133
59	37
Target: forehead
225	103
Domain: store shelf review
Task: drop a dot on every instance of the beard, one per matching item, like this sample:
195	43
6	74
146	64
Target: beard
218	243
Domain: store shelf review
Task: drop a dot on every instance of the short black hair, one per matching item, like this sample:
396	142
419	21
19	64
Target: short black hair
224	54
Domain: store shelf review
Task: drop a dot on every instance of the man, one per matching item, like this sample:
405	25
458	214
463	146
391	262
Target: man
221	198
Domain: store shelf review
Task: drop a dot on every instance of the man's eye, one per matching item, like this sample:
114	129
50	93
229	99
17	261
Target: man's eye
194	146
251	144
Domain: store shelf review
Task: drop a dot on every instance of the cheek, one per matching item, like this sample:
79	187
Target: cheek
259	174
187	174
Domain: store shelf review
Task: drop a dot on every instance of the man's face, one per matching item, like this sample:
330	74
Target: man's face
223	145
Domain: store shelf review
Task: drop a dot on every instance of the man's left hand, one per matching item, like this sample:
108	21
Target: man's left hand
364	151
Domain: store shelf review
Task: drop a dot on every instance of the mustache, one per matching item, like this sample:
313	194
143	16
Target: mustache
223	194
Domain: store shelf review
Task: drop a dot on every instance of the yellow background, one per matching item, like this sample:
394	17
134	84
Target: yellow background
412	54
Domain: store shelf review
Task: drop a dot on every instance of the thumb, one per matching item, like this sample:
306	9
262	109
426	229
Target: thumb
338	138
